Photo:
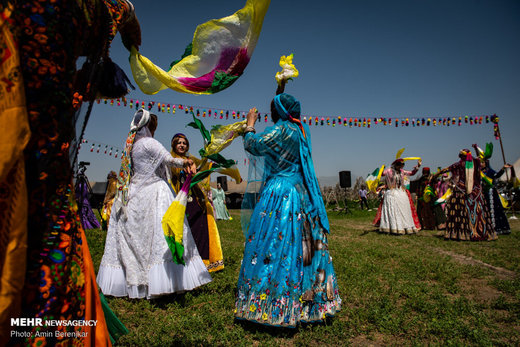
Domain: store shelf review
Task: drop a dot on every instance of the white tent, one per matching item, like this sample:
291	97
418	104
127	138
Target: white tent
516	166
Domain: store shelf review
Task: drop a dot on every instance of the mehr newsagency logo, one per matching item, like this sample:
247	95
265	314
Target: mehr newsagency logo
40	322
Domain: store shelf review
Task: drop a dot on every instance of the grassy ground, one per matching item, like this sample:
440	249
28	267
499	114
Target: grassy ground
396	290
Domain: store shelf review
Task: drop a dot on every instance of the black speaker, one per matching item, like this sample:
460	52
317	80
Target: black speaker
223	182
344	179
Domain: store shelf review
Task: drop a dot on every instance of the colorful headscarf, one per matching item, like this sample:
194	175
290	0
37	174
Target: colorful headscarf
141	119
288	107
465	154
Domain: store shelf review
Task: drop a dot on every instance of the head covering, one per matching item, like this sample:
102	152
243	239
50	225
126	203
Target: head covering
398	161
426	170
138	129
289	109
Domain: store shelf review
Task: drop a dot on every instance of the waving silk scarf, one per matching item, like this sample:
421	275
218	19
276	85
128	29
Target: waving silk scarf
217	56
173	223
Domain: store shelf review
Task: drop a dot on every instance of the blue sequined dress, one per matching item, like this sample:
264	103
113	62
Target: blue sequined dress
287	276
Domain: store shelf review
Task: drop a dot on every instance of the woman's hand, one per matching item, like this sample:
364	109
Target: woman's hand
252	116
190	166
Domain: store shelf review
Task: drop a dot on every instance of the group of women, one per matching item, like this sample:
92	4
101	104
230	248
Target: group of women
287	276
473	211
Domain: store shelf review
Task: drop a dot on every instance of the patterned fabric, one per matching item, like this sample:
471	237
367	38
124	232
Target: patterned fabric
123	179
468	215
431	216
59	280
201	219
13	192
497	211
287	275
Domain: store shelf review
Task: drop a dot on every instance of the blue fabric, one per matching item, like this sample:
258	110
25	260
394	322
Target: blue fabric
287	276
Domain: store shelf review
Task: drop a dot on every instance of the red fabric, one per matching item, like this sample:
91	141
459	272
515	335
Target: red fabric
414	211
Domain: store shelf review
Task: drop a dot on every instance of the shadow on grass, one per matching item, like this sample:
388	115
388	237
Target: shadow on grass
252	327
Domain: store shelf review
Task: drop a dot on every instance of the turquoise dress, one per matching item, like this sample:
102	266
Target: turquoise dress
287	276
219	205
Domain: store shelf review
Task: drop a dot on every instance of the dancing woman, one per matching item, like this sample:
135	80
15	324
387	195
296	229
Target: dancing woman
287	276
137	261
199	210
467	213
397	214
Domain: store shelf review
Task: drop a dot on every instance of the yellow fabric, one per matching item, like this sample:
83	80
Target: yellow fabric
216	257
504	202
13	219
288	69
399	153
222	136
211	40
173	220
109	200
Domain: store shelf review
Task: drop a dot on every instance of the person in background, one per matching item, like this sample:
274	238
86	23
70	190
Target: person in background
110	195
363	197
467	213
397	214
219	202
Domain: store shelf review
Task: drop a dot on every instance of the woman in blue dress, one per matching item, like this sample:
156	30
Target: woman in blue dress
287	276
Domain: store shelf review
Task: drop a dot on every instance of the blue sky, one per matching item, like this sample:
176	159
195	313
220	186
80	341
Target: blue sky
362	58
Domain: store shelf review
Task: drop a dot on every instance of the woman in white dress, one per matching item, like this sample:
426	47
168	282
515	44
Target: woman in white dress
137	261
398	215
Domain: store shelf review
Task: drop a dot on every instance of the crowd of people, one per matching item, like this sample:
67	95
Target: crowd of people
460	200
287	274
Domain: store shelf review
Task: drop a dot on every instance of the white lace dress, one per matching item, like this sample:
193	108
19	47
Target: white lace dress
396	212
137	261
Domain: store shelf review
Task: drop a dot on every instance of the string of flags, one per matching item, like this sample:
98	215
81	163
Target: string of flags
357	122
102	148
110	150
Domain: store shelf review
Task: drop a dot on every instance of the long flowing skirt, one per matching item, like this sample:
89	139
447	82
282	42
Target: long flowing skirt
468	218
396	213
287	276
221	210
137	261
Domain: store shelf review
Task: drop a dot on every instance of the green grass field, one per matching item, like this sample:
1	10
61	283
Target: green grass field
396	290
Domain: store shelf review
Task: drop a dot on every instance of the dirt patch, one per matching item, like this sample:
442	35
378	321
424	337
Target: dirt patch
501	272
478	290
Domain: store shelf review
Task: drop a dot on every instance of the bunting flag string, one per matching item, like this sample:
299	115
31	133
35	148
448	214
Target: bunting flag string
224	114
102	148
115	151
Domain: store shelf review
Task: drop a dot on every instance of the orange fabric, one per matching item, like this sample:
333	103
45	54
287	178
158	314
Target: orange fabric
98	335
13	203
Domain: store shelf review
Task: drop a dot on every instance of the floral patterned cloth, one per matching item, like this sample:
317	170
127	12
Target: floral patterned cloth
59	279
287	276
